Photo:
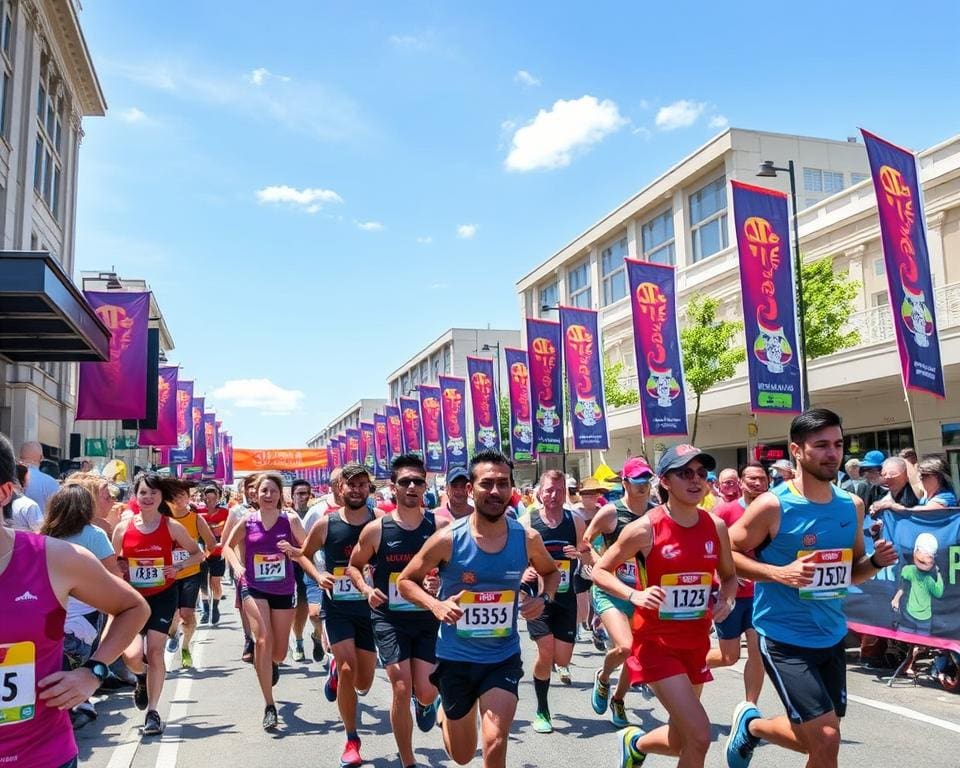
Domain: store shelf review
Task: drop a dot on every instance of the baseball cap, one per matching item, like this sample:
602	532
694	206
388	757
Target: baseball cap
635	468
783	464
873	460
352	469
457	473
678	456
572	482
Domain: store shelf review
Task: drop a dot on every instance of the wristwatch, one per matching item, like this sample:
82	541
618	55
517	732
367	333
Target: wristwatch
547	600
100	670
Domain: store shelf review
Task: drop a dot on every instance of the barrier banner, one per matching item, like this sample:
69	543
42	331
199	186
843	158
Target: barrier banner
353	445
210	443
410	426
546	387
278	459
581	359
903	232
381	462
432	421
166	432
453	395
656	337
483	401
368	450
769	308
521	429
117	389
394	432
916	600
199	444
182	452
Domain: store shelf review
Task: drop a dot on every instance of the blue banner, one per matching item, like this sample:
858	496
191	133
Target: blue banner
410	431
483	399
546	386
521	426
368	450
581	359
453	400
380	445
434	457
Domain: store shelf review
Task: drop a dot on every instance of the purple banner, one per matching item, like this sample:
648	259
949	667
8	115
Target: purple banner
342	447
903	232
210	443
199	444
433	442
581	359
453	400
769	312
228	458
546	387
333	453
394	433
220	468
410	426
521	428
182	452
166	432
353	445
381	453
117	389
368	448
663	404
483	403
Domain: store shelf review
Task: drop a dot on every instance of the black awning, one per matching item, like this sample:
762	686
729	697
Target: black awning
43	316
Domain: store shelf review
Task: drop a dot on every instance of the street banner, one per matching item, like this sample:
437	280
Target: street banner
182	452
453	400
166	432
381	453
521	428
228	458
916	600
663	404
117	389
210	442
220	465
410	426
278	459
342	446
546	386
394	432
333	453
433	443
903	232
483	400
769	310
368	450
353	445
199	444
581	358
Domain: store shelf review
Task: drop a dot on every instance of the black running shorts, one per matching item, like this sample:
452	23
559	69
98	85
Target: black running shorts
461	684
810	681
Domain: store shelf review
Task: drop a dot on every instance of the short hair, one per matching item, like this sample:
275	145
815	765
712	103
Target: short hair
274	477
22	471
811	421
895	461
851	464
751	465
249	480
406	461
489	456
69	510
298	482
212	489
553	474
8	462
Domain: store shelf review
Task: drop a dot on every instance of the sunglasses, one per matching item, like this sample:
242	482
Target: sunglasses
639	481
406	482
688	473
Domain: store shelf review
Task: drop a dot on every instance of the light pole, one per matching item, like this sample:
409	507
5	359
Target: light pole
769	171
563	418
490	348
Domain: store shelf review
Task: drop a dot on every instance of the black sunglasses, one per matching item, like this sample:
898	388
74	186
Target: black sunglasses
406	482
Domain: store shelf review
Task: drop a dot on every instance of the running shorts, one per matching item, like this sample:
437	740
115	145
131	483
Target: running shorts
461	684
299	576
276	602
580	584
162	607
558	619
738	621
602	602
653	659
214	565
345	626
810	681
188	590
408	638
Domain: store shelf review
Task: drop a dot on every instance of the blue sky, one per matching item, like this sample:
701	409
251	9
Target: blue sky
317	190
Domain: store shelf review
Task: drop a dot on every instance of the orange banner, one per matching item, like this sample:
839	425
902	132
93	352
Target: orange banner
260	460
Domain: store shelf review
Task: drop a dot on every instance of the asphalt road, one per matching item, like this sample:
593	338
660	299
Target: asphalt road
213	717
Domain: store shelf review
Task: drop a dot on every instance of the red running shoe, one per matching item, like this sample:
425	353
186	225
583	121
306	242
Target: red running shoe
330	687
351	754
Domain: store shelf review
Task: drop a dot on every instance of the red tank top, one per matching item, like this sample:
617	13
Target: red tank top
32	735
682	561
216	520
147	554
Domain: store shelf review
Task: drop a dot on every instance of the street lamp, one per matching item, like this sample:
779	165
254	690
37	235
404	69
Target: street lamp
563	419
769	171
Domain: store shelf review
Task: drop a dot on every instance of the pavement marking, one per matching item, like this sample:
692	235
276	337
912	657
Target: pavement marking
179	706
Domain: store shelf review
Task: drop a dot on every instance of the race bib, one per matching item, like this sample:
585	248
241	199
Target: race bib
18	682
269	567
179	555
833	569
686	597
627	573
487	614
397	601
146	572
564	567
343	587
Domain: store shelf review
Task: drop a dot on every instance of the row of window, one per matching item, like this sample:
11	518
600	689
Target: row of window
428	370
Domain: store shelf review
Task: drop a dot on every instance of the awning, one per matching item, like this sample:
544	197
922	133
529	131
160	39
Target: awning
43	316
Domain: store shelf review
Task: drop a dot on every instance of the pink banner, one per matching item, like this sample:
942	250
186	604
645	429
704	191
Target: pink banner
199	444
166	431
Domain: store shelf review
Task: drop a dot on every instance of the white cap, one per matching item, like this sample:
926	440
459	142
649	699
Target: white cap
926	543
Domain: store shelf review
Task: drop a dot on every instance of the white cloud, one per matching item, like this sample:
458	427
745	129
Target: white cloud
370	226
309	199
260	75
259	394
525	78
410	42
132	115
719	122
467	231
550	139
425	240
680	114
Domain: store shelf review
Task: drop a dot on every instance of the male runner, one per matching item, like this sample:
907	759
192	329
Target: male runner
808	538
331	502
481	560
214	566
458	498
300	495
556	630
406	634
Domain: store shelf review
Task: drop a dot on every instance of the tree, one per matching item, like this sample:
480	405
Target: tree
706	345
614	393
828	303
505	423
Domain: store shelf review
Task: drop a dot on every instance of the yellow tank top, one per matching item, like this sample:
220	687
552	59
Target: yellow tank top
188	521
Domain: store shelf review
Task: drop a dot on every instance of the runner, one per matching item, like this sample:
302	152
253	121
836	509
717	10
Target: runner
406	634
481	560
331	502
189	579
300	495
615	614
458	498
144	543
555	631
249	487
347	614
591	491
682	547
39	575
808	538
213	568
753	482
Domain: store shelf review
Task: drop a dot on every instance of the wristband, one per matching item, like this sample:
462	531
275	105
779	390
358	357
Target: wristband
874	562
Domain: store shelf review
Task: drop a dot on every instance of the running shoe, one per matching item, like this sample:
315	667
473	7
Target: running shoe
630	757
601	694
318	652
599	639
298	653
205	615
140	692
330	687
152	724
248	647
351	754
564	673
186	660
173	643
740	742
542	724
276	674
270	719
215	613
618	713
426	714
82	714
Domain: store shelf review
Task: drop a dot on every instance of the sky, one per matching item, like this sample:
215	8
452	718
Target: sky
315	191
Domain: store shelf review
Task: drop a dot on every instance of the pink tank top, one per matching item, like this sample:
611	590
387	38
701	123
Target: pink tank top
32	735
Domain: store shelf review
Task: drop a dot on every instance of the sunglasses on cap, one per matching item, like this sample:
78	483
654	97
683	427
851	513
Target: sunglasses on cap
639	481
688	473
406	482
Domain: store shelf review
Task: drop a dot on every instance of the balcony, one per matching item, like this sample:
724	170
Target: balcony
876	324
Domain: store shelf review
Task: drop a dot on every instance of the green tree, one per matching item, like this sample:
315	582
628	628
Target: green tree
505	423
614	393
828	302
706	343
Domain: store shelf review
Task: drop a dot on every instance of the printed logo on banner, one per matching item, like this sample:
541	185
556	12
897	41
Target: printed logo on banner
452	401
770	345
486	416
581	354
546	390
435	454
521	429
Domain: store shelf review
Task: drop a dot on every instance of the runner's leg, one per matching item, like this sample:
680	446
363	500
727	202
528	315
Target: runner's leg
345	654
280	622
753	670
687	733
460	736
401	681
258	616
423	689
156	669
621	636
497	708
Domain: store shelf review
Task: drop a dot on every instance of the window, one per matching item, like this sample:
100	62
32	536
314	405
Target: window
578	285
856	178
817	180
424	372
549	296
394	390
613	271
6	54
879	268
708	219
446	359
879	299
47	164
657	235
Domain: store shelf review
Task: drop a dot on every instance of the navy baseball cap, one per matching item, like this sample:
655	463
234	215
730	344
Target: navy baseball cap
457	473
678	456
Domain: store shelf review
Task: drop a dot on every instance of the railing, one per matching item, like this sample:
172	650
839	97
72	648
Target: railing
876	324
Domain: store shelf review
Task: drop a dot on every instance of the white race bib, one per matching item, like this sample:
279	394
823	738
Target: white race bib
627	573
18	682
833	570
564	567
343	587
397	601
146	572
487	614
179	555
269	567
686	595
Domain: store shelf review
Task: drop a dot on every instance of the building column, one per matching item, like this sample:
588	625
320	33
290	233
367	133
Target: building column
681	245
855	271
596	286
634	247
938	263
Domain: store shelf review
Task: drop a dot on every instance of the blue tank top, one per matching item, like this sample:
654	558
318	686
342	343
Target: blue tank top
812	618
487	631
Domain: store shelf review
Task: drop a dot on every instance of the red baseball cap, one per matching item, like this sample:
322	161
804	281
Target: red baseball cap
634	467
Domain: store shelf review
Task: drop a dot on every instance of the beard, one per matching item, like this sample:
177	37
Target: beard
825	472
353	505
491	510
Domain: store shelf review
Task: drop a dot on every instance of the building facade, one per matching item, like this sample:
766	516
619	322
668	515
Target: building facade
362	410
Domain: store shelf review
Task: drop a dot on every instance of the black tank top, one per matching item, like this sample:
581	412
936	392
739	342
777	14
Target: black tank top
555	539
397	548
624	518
342	537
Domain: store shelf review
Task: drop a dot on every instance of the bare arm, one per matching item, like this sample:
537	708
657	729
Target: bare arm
636	537
209	540
546	568
761	521
437	549
359	559
233	547
866	566
182	537
316	538
727	573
